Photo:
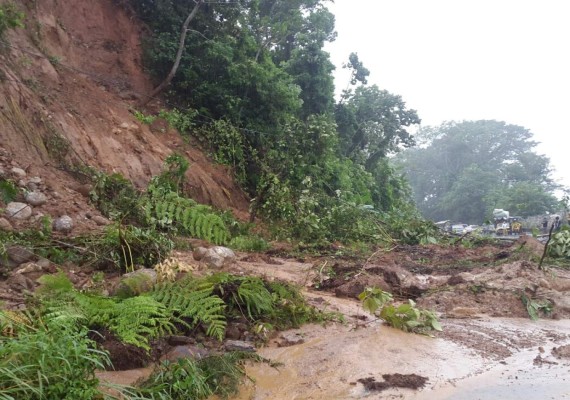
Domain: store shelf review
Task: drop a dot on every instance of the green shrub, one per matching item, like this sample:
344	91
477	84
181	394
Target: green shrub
55	364
406	317
559	245
248	243
8	191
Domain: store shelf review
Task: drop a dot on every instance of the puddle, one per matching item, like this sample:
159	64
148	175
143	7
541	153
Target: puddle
332	359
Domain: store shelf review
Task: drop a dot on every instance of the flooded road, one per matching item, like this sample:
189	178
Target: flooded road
488	358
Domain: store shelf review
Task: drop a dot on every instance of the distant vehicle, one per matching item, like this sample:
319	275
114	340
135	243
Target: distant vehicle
470	228
458	228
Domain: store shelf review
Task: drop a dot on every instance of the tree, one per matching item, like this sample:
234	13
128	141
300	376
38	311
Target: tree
178	56
372	123
463	170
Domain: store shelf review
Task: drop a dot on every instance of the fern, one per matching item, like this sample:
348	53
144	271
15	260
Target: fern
194	299
256	298
137	319
170	209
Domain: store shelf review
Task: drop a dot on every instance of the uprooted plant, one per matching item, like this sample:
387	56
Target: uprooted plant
406	317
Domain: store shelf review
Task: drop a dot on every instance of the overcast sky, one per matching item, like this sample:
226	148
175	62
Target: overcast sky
454	60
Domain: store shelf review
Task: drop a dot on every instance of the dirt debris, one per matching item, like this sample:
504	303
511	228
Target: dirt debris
408	381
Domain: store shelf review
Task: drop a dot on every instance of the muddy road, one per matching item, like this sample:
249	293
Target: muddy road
489	347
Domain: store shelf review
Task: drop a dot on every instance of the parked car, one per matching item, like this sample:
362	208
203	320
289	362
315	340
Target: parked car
458	228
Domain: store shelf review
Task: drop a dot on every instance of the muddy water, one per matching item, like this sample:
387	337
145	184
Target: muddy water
499	364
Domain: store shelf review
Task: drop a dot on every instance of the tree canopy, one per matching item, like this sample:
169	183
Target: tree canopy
257	84
463	170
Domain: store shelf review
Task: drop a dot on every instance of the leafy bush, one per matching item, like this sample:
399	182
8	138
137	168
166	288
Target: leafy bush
189	379
406	317
126	247
50	364
8	191
559	244
248	243
117	198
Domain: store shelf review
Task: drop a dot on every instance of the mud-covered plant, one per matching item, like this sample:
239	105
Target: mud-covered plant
559	244
536	308
406	317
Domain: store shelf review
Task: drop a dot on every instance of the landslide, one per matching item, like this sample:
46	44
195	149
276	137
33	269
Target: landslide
68	83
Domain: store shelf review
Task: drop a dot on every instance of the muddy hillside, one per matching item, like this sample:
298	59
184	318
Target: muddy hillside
69	80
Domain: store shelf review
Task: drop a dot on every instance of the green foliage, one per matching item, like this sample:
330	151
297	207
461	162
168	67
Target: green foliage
8	191
535	308
406	317
116	198
126	246
183	121
172	176
134	320
248	243
10	17
54	364
464	170
145	119
171	210
227	144
412	230
559	244
195	300
218	375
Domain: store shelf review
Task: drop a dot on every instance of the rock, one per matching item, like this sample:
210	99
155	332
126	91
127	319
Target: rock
562	351
29	267
199	252
5	225
19	172
135	283
404	282
178	340
463	312
239	345
19	254
235	330
35	180
19	283
100	221
356	286
84	190
63	224
182	352
17	210
290	339
218	257
36	198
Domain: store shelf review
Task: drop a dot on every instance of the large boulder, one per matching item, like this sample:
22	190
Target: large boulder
218	257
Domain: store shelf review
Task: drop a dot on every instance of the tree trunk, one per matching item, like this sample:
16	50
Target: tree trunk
172	72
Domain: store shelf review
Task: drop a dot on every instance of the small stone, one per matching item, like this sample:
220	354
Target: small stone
19	172
178	340
19	254
290	339
218	257
35	180
19	283
199	252
18	210
5	225
32	187
101	221
239	345
63	224
28	267
22	183
36	198
182	352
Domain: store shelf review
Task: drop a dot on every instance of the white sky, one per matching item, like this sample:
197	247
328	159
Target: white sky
507	60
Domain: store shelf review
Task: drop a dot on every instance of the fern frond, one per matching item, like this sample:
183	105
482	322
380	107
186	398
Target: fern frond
254	295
